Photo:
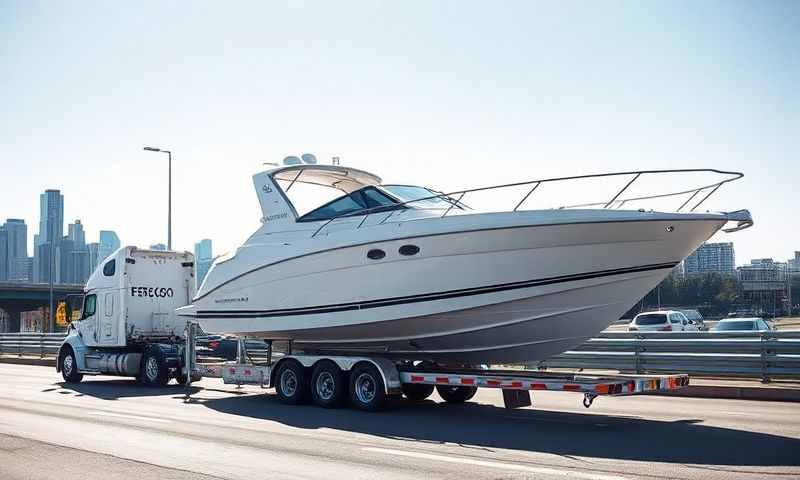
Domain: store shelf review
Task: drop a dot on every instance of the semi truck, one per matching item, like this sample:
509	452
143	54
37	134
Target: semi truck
127	326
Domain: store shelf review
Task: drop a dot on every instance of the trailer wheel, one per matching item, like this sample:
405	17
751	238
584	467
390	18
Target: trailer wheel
456	394
153	372
290	383
417	392
69	366
328	385
367	391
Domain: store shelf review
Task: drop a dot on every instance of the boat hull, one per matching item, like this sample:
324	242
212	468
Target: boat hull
509	294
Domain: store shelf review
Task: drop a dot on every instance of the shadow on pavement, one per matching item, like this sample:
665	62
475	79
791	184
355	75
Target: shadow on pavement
559	433
120	388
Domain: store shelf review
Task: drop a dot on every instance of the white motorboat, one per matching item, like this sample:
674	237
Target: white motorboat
410	273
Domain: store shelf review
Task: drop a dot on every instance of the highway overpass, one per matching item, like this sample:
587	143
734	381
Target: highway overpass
16	298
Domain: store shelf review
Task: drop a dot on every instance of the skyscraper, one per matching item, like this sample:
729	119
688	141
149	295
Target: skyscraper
18	237
109	243
3	254
17	246
711	258
51	231
51	216
76	233
203	257
94	253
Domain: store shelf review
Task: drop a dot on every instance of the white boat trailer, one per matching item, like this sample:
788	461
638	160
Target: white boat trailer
370	381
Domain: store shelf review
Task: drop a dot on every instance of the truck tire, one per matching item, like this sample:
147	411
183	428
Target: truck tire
69	366
456	394
367	391
328	385
153	371
417	392
290	383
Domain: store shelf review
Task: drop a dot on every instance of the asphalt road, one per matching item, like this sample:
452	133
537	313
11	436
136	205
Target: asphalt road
113	428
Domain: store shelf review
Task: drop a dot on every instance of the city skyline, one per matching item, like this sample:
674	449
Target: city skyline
74	258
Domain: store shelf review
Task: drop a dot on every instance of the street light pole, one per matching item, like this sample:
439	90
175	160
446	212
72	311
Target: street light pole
169	192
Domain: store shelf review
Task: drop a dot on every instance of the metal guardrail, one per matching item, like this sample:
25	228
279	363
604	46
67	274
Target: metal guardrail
766	355
41	344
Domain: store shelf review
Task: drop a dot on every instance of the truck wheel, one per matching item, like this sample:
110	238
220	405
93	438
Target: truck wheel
328	386
367	391
153	371
69	366
290	383
417	392
456	394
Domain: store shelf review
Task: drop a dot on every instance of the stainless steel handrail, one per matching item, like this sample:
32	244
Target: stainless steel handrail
448	197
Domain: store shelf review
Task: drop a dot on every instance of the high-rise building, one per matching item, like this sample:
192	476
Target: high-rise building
711	258
51	230
94	253
158	246
18	233
22	271
51	216
17	245
3	255
76	255
203	257
76	233
109	243
766	286
44	263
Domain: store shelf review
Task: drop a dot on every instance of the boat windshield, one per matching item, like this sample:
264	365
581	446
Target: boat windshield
367	198
410	193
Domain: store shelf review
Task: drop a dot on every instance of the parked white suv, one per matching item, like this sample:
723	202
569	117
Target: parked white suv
662	321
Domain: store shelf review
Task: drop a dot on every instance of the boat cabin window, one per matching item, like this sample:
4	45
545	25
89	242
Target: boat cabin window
352	203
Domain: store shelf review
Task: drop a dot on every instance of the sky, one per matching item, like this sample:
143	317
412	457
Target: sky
445	94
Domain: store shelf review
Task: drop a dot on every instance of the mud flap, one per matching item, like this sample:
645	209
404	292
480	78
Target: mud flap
516	398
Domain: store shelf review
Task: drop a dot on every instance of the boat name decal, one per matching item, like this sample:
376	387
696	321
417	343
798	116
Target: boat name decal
231	300
157	292
276	216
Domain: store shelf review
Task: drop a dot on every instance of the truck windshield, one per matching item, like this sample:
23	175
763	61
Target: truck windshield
89	306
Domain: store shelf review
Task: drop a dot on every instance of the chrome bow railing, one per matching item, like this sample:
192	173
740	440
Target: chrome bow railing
454	199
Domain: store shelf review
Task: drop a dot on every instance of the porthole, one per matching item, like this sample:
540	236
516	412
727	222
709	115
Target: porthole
409	250
376	254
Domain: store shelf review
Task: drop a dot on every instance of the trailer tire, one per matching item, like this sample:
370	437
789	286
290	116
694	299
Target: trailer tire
153	371
417	392
455	394
367	391
290	383
69	366
328	385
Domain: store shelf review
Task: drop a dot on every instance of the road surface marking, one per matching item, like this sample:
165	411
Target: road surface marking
122	415
500	465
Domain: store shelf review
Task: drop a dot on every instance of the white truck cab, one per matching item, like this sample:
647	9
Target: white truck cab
127	311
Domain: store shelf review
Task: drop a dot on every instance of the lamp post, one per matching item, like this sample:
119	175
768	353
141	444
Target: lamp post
169	195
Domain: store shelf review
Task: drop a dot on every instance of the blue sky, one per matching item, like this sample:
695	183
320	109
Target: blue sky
446	94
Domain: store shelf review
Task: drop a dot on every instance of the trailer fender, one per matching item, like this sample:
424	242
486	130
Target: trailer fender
389	373
75	341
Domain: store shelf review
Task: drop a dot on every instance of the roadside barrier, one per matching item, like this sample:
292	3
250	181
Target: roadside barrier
41	344
768	355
